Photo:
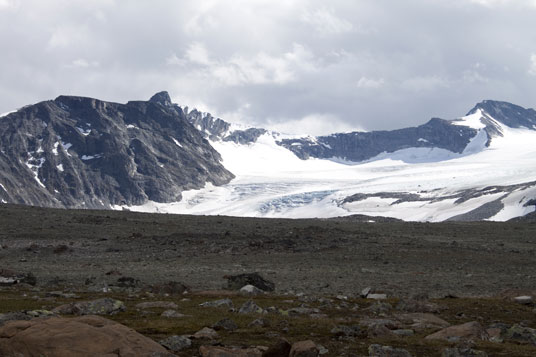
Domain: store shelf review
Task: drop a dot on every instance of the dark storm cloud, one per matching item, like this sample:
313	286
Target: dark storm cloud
299	65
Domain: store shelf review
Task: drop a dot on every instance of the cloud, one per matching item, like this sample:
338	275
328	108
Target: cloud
8	4
312	124
359	64
532	69
365	82
326	22
260	68
83	63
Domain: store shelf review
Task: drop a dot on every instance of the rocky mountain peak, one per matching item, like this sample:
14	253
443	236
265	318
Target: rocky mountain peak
509	114
161	98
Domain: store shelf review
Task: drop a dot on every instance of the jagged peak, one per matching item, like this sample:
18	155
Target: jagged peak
511	115
161	98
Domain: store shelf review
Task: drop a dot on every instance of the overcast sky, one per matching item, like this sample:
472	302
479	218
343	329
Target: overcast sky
310	66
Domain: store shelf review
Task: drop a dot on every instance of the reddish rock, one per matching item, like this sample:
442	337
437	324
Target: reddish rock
470	330
304	349
79	336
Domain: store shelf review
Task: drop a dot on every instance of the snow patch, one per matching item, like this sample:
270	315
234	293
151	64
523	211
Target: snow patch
91	157
35	165
130	126
66	147
3	188
60	167
85	132
472	121
422	140
7	113
55	148
176	142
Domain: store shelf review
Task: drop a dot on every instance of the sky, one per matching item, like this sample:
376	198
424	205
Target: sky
297	66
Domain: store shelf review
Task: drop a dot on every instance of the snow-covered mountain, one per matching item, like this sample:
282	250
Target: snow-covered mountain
61	153
480	166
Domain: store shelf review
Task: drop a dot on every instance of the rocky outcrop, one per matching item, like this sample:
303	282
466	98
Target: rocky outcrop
78	152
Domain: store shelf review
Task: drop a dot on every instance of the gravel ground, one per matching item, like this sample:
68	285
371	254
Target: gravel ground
335	256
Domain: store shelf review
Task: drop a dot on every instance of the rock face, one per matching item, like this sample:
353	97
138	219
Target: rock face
78	152
80	336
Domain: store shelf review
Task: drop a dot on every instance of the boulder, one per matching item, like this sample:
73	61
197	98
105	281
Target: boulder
78	336
279	349
304	349
467	331
206	333
11	277
524	299
172	314
249	307
520	334
387	351
213	351
170	288
236	282
251	290
225	324
176	343
104	306
346	331
128	282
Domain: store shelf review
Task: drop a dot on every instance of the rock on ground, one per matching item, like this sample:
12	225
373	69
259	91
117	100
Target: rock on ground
249	307
176	343
470	330
78	336
206	333
304	349
236	282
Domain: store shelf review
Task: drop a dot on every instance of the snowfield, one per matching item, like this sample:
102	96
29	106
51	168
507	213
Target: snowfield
272	182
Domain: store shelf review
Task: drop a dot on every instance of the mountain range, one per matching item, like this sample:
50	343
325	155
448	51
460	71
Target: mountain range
154	155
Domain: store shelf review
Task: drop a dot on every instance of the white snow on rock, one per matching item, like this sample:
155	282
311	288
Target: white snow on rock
35	164
90	157
84	132
7	113
60	167
3	188
176	142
